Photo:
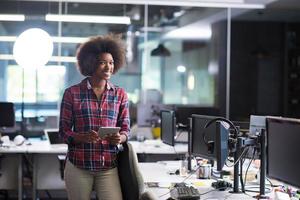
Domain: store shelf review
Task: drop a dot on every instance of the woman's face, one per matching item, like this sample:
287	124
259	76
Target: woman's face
105	67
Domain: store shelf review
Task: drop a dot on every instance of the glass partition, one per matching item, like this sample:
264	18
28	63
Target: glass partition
191	70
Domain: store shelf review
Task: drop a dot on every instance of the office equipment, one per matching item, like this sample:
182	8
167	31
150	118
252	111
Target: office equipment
221	185
19	140
182	191
168	126
7	115
242	125
210	142
104	131
52	136
256	124
158	173
283	139
183	112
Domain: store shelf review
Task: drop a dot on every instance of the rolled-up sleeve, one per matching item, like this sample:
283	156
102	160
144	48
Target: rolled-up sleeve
66	118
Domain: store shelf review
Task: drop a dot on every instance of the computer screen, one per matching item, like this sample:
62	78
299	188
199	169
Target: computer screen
283	139
257	123
211	142
168	126
53	137
7	114
184	112
243	126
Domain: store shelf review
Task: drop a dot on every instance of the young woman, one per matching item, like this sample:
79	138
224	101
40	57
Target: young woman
95	102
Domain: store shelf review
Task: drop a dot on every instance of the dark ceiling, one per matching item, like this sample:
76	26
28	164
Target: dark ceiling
158	16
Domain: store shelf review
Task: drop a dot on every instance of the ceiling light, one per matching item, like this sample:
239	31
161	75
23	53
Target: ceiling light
69	39
12	17
54	39
181	68
68	59
194	33
89	19
8	38
191	81
29	53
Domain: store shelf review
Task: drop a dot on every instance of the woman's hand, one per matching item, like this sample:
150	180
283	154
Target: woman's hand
115	139
90	137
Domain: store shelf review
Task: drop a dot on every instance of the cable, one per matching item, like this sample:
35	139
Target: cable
220	119
252	158
232	140
213	190
180	132
241	169
237	159
269	190
182	181
271	184
164	194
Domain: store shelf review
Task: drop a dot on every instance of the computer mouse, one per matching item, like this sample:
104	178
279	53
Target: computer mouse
19	140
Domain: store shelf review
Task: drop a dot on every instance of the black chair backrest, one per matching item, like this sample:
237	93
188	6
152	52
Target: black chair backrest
127	173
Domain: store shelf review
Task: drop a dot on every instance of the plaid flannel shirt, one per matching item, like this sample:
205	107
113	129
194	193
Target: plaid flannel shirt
81	112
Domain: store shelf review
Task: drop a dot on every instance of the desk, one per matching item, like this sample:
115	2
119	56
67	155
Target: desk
158	172
46	174
155	150
46	166
13	154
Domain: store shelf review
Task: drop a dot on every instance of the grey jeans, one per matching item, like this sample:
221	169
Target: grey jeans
80	183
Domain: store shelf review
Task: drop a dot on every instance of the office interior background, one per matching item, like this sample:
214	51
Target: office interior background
232	58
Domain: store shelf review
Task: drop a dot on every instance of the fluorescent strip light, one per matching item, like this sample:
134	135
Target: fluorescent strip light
8	38
55	39
6	57
12	17
69	39
195	33
68	59
89	19
63	59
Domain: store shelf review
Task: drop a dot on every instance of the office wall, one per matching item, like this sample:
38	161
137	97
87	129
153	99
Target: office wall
257	57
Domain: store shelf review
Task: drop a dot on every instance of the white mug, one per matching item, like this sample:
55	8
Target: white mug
204	171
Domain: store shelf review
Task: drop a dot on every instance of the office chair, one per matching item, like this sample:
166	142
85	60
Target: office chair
131	180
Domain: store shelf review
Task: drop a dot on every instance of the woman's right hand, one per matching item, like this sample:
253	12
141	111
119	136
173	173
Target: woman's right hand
90	137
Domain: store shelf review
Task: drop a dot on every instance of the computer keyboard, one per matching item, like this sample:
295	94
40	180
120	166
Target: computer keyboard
183	192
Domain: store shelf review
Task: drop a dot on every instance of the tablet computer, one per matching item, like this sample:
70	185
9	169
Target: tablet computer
103	131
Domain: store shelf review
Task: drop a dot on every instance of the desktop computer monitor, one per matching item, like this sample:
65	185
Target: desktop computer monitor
168	126
7	115
184	112
211	142
283	139
257	123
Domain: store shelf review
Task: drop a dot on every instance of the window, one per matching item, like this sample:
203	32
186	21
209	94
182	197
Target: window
42	85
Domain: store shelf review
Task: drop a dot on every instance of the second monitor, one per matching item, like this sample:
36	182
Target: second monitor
210	142
168	126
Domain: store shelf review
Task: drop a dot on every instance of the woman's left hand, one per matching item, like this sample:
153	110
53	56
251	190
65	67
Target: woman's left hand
115	139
